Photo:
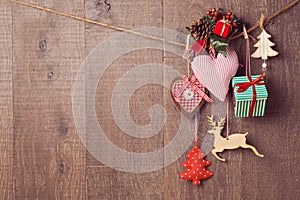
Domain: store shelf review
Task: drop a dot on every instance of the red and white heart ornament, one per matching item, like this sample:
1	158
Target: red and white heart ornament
189	94
215	73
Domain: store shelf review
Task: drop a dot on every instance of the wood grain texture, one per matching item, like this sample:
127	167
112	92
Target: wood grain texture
6	103
49	159
245	175
103	182
226	182
278	137
41	155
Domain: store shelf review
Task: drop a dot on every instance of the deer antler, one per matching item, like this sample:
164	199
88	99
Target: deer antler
211	120
221	122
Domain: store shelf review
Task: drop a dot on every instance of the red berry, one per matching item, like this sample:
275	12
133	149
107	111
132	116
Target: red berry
233	24
207	13
214	18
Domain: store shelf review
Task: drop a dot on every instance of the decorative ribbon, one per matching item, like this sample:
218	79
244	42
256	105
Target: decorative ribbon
225	22
244	86
196	87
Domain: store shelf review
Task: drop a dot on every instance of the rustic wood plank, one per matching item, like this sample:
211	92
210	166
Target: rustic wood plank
228	174
41	154
244	175
277	134
49	159
109	183
181	189
6	103
105	182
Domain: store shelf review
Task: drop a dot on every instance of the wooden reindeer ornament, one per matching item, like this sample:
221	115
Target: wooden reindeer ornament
233	141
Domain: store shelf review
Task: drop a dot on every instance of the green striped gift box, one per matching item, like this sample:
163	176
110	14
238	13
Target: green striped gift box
243	100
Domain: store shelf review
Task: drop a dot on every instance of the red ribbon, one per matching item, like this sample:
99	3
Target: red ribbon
244	86
196	87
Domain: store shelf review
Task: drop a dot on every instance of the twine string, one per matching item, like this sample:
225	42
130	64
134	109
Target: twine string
196	127
187	49
248	57
227	116
96	22
267	21
248	68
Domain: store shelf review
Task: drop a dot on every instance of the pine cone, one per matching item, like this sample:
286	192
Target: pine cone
200	29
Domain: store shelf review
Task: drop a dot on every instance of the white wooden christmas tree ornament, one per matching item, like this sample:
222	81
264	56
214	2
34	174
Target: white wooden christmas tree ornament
264	45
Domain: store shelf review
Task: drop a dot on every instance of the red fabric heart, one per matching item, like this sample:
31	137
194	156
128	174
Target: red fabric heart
215	74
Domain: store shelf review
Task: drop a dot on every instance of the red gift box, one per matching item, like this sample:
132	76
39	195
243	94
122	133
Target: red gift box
223	28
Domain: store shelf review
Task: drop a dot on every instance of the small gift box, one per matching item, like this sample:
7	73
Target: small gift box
189	93
223	28
250	95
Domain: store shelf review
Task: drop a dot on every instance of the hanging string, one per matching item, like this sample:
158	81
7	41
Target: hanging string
248	58
248	68
196	128
267	21
187	54
227	116
97	23
188	69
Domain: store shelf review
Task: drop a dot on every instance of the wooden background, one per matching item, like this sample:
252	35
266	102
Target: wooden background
41	156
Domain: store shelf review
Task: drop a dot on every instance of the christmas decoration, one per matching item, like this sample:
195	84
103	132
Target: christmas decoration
212	33
222	28
233	141
250	94
213	29
215	74
199	29
189	94
263	46
196	167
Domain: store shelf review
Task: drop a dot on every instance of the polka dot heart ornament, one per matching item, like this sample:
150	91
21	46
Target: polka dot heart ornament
196	166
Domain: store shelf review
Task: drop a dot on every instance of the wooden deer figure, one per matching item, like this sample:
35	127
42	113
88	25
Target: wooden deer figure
233	141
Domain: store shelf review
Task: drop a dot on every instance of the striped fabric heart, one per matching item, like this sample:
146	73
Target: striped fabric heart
215	74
